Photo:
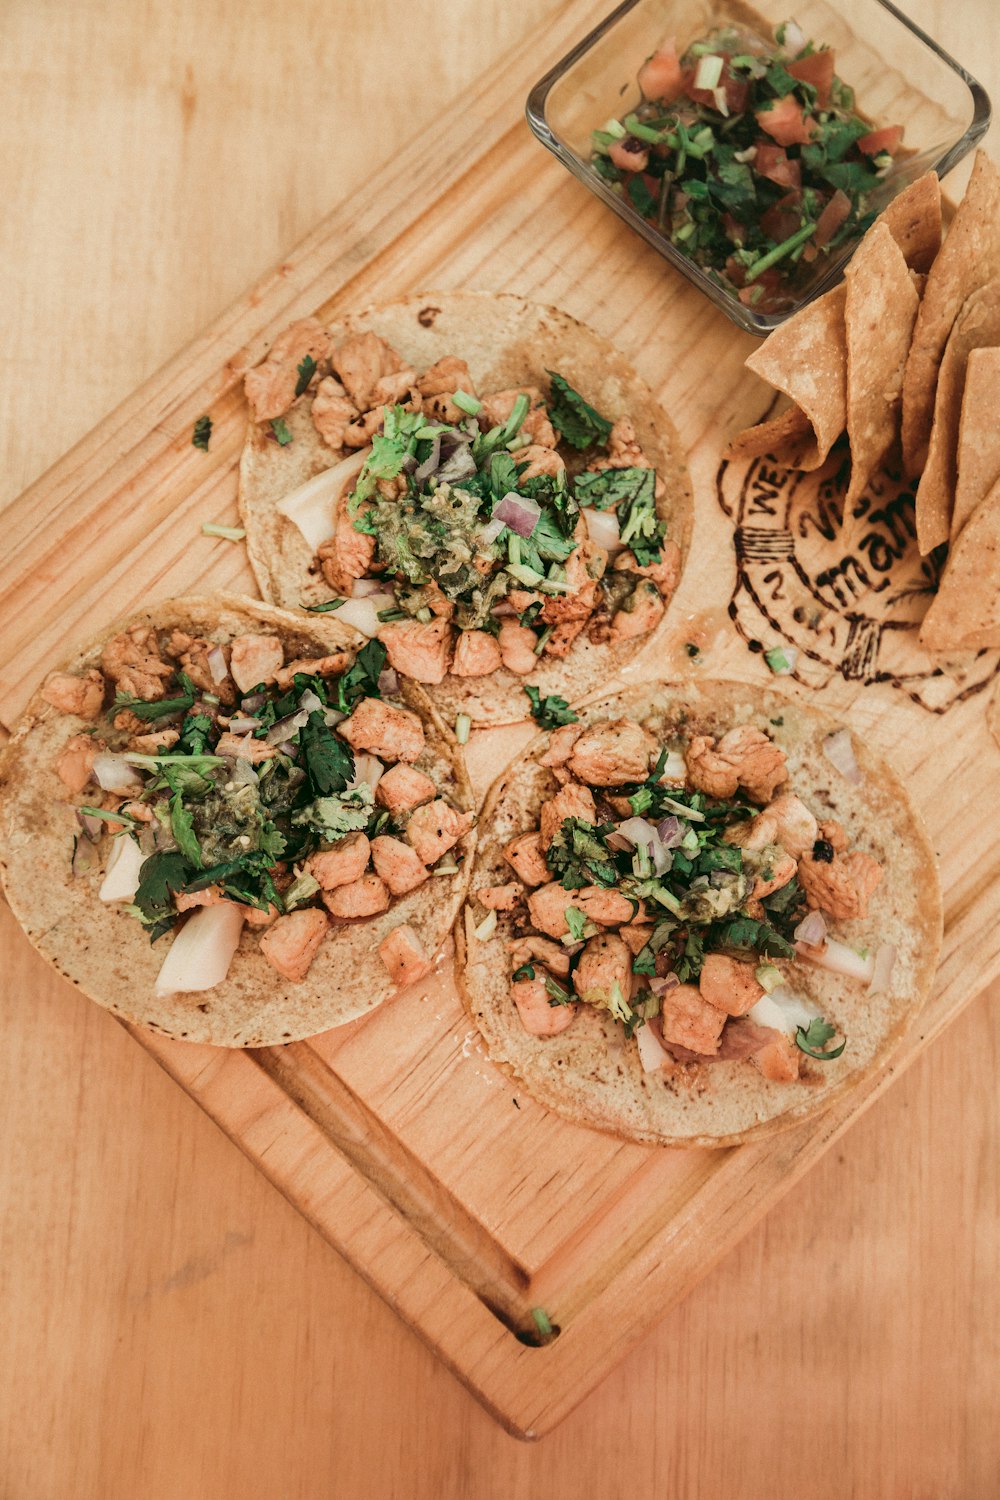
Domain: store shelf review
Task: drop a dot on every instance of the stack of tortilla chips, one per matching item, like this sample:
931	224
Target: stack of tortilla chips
905	358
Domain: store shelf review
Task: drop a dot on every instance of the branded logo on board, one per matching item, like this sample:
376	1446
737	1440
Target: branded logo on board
855	613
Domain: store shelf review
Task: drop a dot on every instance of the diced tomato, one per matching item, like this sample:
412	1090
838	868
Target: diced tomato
784	122
660	76
830	220
772	162
782	219
629	155
737	90
816	69
877	141
770	283
733	229
736	271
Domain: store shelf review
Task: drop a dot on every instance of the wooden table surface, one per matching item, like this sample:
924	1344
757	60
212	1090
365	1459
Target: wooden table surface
169	1326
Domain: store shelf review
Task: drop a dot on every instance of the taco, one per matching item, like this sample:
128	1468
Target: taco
228	824
486	483
698	913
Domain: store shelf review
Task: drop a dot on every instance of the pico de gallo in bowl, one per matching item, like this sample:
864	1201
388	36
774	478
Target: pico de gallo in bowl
749	156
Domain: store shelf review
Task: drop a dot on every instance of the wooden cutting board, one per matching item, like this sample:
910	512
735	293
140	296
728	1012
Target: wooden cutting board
461	1201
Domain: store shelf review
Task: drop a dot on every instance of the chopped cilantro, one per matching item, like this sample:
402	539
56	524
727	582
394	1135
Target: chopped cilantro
576	921
280	429
604	488
526	971
812	1040
182	826
325	607
578	422
361	678
201	433
557	994
550	711
307	370
329	762
162	875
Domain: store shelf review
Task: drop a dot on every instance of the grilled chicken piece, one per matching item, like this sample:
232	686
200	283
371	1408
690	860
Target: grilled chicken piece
270	386
291	942
83	696
388	732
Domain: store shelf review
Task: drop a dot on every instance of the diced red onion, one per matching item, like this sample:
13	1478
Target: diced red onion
279	732
242	724
572	949
503	611
217	664
244	774
839	751
671	831
114	774
431	462
838	958
619	844
332	717
460	465
491	531
641	833
602	527
885	961
363	588
659	985
84	857
388	682
92	827
519	512
812	929
254	703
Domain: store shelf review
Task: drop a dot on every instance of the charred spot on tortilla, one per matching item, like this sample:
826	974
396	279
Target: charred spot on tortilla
493	491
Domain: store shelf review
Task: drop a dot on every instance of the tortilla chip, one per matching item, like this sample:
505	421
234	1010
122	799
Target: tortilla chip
914	221
783	438
965	614
978	436
879	315
977	326
807	359
969	259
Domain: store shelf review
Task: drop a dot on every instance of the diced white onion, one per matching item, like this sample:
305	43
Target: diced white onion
487	927
602	527
362	588
217	664
721	101
709	71
783	1011
652	1053
114	774
812	929
674	767
839	959
839	751
367	768
200	954
121	877
885	962
313	506
795	37
491	531
363	613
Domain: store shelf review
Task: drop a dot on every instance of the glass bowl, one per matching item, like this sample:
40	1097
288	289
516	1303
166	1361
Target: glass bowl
900	76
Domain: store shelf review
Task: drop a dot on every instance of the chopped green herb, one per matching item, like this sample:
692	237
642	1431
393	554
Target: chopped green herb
576	921
577	421
228	533
551	711
280	429
812	1040
526	971
201	433
542	1322
307	369
326	607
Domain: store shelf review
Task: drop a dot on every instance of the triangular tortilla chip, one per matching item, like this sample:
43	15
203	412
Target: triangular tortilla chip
879	314
965	615
807	359
783	438
977	326
914	220
978	436
968	259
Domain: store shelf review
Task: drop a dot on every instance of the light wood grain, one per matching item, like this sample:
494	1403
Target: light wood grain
70	1272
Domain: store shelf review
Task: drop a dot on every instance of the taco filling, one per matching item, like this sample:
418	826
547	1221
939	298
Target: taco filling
677	882
240	795
468	532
